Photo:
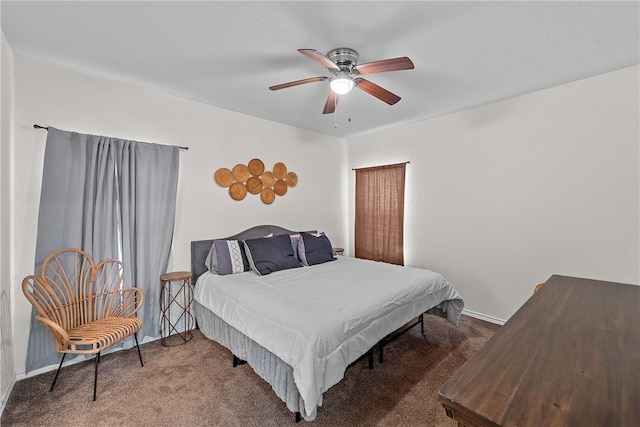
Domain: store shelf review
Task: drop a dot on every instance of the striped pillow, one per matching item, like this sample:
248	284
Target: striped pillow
227	257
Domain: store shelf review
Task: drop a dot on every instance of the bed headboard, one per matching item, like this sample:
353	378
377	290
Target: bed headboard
200	248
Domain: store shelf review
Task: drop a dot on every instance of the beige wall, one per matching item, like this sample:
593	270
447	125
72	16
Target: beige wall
501	196
7	369
48	95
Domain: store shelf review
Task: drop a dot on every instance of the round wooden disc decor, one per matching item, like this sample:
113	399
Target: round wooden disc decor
254	185
256	167
238	191
268	179
240	172
280	187
280	170
223	177
291	179
267	195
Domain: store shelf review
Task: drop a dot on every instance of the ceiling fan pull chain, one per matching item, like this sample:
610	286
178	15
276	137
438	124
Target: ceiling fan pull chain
349	102
335	111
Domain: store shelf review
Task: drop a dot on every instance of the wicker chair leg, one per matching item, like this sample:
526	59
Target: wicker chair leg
57	372
139	354
95	377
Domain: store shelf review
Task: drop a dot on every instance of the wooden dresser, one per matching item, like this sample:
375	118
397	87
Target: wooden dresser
569	357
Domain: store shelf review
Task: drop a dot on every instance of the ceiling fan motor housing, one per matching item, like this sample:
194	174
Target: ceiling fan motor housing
344	57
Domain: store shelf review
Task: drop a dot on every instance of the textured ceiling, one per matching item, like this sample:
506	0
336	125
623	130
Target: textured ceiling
227	54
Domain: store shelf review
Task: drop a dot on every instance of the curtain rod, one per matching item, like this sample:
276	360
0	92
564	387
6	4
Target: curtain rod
381	166
46	128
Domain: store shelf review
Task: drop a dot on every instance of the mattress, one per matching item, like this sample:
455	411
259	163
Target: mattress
319	319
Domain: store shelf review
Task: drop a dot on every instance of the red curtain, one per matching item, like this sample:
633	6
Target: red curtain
379	222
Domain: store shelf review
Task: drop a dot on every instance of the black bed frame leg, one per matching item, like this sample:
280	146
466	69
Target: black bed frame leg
422	323
371	359
237	361
298	417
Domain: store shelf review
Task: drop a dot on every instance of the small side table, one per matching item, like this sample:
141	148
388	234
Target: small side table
338	251
182	299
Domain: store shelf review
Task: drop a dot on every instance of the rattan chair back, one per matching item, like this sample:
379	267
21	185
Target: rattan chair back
84	305
73	292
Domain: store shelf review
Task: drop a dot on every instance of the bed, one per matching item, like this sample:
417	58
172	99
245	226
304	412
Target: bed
300	326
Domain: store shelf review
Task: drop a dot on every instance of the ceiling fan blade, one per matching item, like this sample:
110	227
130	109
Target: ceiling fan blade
330	105
298	82
395	64
377	91
319	57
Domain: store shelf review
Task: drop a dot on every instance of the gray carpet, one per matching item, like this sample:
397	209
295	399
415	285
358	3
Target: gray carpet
195	385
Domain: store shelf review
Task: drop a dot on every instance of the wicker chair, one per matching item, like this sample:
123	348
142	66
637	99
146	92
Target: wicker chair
84	305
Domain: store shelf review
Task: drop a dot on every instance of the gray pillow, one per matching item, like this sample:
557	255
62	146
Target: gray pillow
296	242
315	249
269	254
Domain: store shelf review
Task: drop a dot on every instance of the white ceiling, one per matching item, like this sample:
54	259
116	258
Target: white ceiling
227	54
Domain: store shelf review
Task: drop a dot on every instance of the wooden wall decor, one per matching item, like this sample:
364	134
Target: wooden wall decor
252	178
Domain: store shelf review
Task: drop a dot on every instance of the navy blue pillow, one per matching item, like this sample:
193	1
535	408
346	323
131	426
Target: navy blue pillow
317	249
269	254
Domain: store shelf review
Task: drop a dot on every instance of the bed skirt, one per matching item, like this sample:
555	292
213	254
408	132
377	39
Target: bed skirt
268	366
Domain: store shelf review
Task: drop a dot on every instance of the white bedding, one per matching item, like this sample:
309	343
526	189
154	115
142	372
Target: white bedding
319	319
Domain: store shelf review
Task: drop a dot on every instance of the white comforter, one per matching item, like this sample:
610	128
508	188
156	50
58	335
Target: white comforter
319	319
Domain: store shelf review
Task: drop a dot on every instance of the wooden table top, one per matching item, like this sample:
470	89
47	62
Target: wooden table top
175	276
569	357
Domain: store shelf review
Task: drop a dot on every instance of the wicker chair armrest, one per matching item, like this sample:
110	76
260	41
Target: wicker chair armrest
132	300
58	331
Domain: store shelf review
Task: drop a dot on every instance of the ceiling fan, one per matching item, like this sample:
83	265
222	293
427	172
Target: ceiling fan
342	63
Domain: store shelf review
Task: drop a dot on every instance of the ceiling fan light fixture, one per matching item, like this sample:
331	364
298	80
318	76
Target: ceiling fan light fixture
342	63
342	83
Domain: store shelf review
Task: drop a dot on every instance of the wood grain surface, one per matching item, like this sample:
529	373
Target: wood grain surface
569	357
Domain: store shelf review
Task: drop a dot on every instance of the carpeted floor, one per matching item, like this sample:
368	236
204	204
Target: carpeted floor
195	385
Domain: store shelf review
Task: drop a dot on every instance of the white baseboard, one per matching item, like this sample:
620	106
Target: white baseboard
484	317
5	398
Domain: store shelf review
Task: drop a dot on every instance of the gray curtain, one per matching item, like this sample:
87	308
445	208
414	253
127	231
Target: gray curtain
114	199
148	186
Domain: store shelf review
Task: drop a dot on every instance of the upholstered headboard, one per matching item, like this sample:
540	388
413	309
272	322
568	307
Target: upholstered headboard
200	248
